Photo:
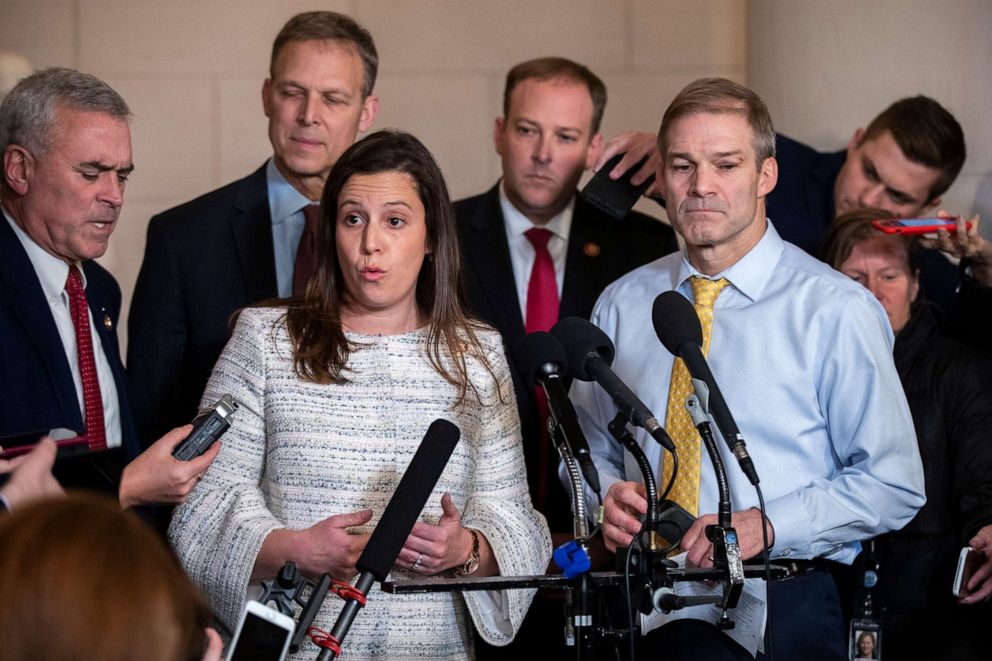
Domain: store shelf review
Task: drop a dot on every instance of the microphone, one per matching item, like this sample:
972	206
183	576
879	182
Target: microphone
542	360
677	325
590	353
397	520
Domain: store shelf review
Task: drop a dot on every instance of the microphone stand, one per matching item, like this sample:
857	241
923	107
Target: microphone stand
726	549
650	568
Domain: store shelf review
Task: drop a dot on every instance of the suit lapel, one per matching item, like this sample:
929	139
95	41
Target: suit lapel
251	227
493	268
583	262
27	300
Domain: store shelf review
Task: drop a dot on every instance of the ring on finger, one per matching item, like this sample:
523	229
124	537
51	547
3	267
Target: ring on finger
416	563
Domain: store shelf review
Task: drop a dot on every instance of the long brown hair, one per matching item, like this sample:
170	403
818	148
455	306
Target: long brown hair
81	579
320	349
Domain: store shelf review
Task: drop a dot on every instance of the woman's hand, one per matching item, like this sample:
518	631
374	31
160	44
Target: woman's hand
431	549
326	546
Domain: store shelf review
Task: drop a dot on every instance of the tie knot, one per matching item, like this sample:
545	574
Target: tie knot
538	237
705	290
74	281
311	214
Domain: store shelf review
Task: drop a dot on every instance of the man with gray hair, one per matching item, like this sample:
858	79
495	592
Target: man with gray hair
66	149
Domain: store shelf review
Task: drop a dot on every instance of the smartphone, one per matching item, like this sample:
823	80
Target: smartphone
969	560
673	522
207	428
916	225
68	442
263	634
615	197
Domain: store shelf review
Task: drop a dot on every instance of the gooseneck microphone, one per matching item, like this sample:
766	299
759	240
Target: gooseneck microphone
543	362
590	353
397	520
677	326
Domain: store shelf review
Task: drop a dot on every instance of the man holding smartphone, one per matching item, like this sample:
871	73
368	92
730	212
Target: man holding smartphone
902	162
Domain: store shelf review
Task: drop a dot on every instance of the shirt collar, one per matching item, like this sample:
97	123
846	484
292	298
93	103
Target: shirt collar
750	273
517	223
52	272
284	200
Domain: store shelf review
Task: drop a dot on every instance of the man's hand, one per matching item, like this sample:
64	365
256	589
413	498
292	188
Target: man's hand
624	503
432	549
634	146
979	586
156	477
31	475
748	526
965	244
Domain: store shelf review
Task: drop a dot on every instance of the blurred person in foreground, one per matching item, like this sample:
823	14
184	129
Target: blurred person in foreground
345	381
949	389
68	596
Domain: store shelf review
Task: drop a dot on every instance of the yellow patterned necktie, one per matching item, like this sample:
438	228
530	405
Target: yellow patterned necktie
678	424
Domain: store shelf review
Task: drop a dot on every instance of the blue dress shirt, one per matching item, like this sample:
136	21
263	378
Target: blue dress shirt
803	356
286	209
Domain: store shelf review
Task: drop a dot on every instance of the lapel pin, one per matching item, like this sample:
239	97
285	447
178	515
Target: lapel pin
591	249
107	322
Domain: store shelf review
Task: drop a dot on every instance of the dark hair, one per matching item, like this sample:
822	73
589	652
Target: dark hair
849	229
27	113
551	68
926	134
719	95
320	348
330	26
81	578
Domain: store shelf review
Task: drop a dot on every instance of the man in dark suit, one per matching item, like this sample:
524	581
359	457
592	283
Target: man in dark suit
238	245
548	135
66	148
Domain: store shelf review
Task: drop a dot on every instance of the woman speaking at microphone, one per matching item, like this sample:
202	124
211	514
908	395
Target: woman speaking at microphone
337	389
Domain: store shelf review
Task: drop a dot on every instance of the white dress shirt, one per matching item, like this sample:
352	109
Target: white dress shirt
522	253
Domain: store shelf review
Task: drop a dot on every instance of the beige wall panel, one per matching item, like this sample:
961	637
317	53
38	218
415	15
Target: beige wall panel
687	35
171	139
822	83
452	117
637	101
243	128
454	35
184	35
41	30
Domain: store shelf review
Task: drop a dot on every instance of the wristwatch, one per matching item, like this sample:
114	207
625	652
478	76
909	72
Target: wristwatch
472	564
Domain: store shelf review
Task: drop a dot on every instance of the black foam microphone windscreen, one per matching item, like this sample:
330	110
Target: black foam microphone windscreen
675	321
411	494
580	339
536	351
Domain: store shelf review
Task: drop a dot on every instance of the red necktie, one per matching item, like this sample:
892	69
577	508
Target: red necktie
96	431
542	291
306	252
542	314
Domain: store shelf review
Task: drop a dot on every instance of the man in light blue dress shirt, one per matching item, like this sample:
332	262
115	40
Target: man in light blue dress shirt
803	356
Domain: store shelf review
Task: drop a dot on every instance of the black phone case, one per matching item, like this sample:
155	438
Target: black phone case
615	197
